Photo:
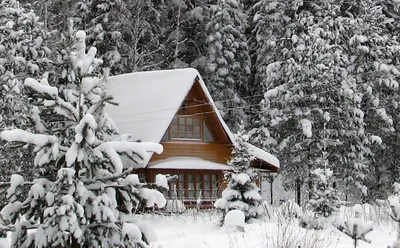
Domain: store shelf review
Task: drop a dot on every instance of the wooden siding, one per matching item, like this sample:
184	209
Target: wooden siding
218	153
196	103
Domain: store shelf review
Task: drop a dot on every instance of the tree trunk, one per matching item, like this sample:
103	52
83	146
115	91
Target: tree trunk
74	243
298	192
272	192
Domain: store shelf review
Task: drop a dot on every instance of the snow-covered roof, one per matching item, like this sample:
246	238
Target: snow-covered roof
192	163
148	101
263	155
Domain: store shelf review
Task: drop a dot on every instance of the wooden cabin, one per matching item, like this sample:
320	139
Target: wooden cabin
174	108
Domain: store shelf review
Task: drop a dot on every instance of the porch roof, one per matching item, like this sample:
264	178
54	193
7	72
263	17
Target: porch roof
187	163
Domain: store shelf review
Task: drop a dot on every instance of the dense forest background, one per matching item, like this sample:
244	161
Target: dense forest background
315	82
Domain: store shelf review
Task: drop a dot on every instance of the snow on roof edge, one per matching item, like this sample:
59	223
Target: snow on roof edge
263	155
184	162
208	95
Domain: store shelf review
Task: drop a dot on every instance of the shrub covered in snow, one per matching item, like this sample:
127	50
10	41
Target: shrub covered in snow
234	220
394	202
88	201
242	192
356	228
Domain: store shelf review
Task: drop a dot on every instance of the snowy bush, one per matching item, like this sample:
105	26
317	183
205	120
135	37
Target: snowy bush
356	228
242	193
87	201
234	220
175	206
394	202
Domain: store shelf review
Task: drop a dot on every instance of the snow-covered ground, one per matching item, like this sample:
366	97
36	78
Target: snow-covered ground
201	230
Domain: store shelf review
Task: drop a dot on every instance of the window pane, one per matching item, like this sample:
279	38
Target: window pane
181	135
174	120
181	177
189	128
189	121
189	135
174	127
174	135
182	128
191	190
196	136
197	121
207	186
182	121
199	188
190	178
197	129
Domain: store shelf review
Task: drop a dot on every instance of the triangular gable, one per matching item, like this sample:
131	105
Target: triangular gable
149	100
198	106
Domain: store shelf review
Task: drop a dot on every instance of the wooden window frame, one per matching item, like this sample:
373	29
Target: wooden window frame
214	186
185	132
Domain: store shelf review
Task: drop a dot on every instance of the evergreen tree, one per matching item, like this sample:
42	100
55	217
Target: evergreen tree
88	202
184	40
103	21
325	199
23	53
228	61
242	192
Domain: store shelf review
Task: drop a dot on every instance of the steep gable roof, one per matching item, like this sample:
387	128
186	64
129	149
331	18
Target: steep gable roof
148	101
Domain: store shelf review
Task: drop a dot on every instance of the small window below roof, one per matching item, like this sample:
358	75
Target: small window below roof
186	128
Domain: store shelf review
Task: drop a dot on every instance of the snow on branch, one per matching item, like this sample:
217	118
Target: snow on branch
114	148
41	87
18	135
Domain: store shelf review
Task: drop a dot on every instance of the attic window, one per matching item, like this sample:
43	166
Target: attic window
186	127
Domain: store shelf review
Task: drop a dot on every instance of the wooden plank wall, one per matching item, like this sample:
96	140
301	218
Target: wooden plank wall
219	153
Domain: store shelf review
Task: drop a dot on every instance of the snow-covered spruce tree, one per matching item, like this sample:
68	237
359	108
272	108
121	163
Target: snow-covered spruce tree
90	202
22	53
228	60
242	192
325	199
104	21
183	24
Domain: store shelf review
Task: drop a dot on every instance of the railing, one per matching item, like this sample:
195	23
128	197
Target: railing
185	195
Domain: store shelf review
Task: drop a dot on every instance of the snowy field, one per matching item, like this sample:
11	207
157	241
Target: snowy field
197	230
202	230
